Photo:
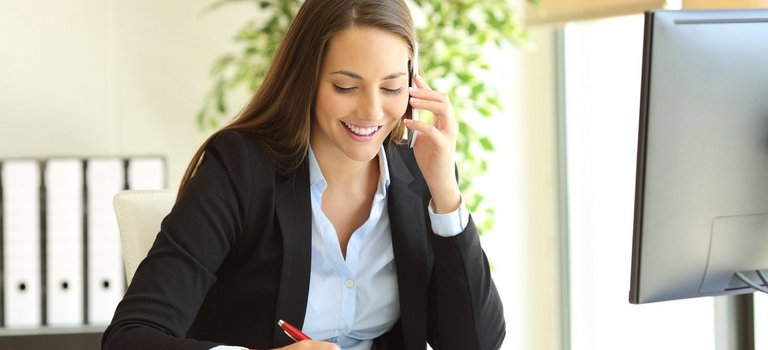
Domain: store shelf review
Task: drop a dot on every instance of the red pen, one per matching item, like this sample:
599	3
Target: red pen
293	332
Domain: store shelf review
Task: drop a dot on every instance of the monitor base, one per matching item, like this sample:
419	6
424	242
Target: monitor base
734	322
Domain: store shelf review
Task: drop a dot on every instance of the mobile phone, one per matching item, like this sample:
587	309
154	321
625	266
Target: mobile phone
413	113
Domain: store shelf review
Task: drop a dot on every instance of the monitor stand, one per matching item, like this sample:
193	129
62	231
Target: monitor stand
735	322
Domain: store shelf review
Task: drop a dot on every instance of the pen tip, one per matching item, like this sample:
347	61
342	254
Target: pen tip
280	322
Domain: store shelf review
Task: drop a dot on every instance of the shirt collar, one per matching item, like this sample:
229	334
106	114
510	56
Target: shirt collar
316	177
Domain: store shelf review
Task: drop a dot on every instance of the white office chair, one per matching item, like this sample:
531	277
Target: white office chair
139	213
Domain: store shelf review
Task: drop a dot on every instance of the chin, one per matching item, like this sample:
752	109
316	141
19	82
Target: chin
361	151
363	154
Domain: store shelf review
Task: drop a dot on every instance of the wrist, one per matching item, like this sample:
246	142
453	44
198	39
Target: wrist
445	202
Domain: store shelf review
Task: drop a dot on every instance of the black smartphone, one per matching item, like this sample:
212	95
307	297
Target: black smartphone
413	113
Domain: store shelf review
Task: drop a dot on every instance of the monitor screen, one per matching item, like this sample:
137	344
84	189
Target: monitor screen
701	200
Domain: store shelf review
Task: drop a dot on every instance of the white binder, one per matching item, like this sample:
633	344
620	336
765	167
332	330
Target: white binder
21	249
64	242
106	279
146	173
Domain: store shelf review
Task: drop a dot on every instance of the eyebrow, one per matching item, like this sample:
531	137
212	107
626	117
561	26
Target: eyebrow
358	77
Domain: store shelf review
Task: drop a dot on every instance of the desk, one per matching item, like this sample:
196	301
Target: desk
74	338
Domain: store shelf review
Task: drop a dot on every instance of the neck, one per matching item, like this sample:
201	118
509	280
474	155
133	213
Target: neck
348	173
343	172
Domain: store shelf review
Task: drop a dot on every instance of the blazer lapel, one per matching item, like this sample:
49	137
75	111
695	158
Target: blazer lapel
294	215
409	243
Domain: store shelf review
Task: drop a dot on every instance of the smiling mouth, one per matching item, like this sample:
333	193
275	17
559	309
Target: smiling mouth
362	131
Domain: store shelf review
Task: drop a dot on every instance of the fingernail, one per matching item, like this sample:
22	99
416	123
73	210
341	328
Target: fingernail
415	100
413	89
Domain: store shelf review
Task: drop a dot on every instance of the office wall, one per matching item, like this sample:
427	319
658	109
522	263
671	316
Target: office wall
543	276
108	77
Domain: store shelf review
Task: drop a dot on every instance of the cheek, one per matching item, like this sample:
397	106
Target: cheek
330	105
396	106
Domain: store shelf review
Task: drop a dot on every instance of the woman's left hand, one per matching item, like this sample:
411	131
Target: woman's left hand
435	146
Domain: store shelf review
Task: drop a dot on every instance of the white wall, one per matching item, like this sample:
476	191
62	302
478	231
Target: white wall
108	77
542	287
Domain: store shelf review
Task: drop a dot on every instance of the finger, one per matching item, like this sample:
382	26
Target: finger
436	107
421	83
422	128
431	95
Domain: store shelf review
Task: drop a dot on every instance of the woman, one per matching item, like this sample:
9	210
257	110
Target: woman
309	208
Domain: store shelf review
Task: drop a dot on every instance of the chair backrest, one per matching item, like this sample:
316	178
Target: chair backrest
139	213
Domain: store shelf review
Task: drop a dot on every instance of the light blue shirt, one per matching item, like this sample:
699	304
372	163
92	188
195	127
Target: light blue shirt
354	300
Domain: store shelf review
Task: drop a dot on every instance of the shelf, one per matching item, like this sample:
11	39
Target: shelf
60	338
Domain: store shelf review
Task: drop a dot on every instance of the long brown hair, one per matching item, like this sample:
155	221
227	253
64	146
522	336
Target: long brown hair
279	114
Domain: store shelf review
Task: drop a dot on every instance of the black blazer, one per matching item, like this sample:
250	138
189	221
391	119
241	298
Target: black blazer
233	257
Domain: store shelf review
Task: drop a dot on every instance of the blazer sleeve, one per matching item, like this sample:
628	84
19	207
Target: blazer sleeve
465	310
171	283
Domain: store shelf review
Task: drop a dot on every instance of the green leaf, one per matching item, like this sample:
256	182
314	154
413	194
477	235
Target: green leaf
200	118
487	144
221	63
462	128
221	104
485	111
477	89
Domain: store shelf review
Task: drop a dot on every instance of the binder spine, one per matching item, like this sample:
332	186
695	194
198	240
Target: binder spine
2	250
86	232
21	243
43	246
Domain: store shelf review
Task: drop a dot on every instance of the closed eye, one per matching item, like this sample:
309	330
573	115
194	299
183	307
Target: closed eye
392	91
343	90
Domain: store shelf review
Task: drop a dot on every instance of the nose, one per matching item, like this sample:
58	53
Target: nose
370	107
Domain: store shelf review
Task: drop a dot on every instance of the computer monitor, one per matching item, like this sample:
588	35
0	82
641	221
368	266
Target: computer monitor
701	201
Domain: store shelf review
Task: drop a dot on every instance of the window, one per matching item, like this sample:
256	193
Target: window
602	93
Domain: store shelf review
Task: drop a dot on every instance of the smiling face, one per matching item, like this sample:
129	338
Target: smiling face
362	94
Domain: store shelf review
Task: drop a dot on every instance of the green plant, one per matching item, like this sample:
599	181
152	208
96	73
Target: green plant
452	42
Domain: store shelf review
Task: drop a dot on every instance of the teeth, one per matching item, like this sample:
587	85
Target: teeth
361	131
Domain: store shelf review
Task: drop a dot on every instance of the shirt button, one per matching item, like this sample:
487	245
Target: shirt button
344	331
349	283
